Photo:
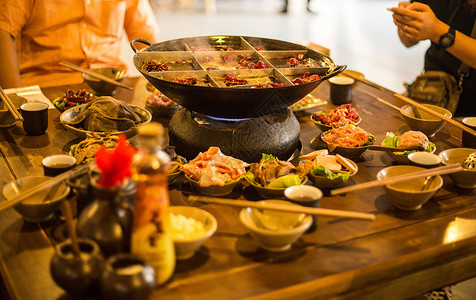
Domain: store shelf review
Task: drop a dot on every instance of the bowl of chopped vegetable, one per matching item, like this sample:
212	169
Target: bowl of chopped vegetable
349	141
409	138
271	176
71	99
191	227
328	171
339	116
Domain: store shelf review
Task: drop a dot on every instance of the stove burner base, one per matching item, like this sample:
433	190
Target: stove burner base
277	134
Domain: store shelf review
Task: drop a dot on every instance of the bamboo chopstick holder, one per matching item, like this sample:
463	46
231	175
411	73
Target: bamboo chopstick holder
49	183
428	110
381	100
370	83
405	177
11	107
286	208
94	74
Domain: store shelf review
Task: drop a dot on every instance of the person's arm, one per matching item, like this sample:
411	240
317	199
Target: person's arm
418	23
140	22
10	74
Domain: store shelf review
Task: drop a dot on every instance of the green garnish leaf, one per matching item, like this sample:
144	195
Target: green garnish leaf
285	181
267	157
323	172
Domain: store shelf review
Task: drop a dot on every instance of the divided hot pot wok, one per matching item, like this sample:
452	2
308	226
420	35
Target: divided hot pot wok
210	60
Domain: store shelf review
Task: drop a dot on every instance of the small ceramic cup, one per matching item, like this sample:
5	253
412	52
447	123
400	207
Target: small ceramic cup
56	164
341	89
469	140
35	115
305	195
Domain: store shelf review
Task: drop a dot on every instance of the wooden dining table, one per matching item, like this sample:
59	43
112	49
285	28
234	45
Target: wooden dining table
401	254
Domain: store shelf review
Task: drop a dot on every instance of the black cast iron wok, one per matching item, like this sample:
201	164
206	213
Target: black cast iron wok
236	101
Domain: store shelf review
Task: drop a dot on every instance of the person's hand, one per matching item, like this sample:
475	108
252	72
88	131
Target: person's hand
417	22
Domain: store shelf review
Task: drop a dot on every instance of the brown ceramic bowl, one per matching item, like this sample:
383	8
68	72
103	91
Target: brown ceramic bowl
428	123
324	182
462	179
270	193
214	190
42	205
408	195
102	88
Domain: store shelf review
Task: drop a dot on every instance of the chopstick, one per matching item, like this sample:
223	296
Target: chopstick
428	110
11	107
370	83
94	74
405	177
381	100
285	208
46	184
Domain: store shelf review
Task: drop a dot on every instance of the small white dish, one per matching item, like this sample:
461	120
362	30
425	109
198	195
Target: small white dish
424	159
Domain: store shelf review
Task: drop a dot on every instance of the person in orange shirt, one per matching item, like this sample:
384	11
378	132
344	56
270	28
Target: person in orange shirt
35	35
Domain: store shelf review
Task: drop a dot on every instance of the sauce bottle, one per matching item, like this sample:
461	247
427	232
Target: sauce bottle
151	237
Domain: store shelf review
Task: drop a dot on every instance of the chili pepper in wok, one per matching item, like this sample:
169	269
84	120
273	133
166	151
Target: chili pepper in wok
305	78
189	80
233	80
156	66
268	85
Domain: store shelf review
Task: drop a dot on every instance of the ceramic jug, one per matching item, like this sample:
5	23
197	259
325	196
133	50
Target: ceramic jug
107	219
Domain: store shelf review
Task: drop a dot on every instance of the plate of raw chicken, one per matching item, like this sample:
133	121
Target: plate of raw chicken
213	173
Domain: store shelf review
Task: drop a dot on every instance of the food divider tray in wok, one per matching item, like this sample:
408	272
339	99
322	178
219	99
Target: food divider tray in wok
197	58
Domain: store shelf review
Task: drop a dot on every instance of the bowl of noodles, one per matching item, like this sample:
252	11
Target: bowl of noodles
349	141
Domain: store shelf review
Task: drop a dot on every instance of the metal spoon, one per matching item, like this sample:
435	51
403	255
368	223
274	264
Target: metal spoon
470	161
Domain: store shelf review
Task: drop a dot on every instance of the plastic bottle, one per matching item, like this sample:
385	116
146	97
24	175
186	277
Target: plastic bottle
151	238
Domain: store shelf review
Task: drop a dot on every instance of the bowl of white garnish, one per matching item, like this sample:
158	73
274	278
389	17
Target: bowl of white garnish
191	227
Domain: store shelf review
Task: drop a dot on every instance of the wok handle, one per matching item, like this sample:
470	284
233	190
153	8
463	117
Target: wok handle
336	71
140	41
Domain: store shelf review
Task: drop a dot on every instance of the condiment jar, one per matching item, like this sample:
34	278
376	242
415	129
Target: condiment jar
107	220
74	274
127	277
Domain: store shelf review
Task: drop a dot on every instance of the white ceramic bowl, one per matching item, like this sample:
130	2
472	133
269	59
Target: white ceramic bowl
408	195
42	205
186	244
467	177
275	230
